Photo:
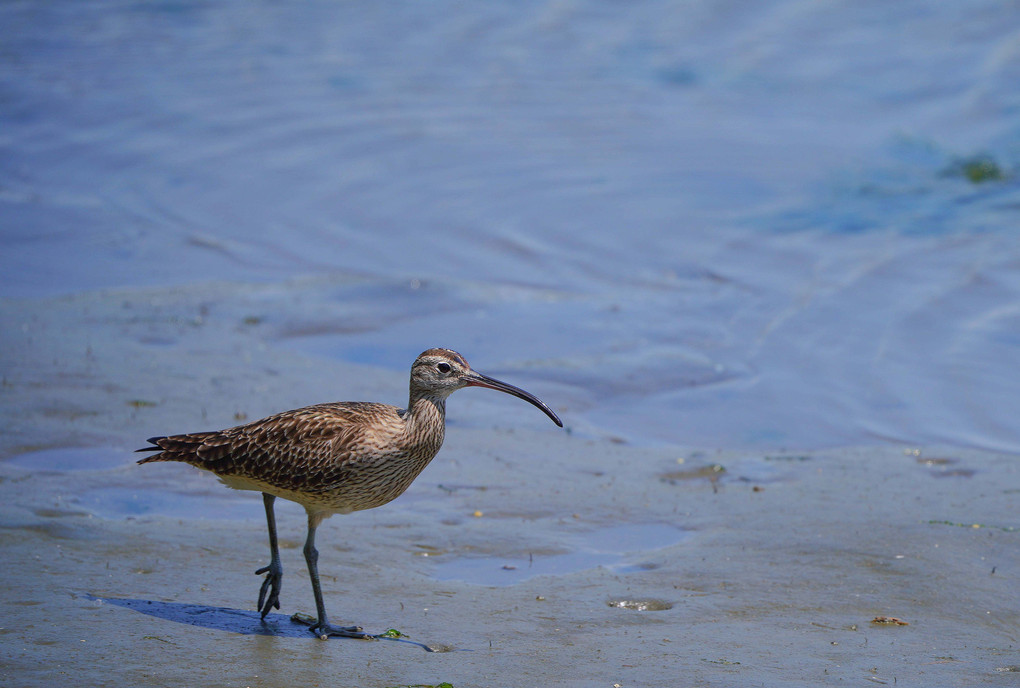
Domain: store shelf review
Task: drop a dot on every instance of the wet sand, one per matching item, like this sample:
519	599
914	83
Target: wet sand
660	565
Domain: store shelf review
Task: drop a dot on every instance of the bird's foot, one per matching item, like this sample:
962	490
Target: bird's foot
325	630
269	593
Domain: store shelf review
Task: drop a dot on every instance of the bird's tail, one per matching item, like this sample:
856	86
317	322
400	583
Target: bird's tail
175	447
154	441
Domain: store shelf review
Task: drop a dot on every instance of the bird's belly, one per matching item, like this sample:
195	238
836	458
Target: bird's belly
355	490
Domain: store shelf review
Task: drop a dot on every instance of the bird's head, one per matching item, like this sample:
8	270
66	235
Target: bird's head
439	373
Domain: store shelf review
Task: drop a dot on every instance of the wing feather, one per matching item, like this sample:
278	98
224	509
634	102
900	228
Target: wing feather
315	445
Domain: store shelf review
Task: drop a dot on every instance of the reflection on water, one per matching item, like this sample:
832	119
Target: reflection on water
620	548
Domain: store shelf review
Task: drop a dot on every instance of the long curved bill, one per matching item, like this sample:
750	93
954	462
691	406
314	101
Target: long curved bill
474	379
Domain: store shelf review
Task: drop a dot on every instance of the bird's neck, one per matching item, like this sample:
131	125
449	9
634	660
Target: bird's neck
425	423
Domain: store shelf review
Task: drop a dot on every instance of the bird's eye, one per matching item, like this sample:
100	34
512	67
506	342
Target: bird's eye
443	367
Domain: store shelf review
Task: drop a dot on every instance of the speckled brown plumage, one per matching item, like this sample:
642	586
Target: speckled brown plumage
334	458
337	457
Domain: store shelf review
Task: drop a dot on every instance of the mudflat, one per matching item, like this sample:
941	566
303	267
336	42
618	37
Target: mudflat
522	556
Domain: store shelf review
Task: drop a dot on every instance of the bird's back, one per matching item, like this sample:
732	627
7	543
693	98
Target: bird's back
336	457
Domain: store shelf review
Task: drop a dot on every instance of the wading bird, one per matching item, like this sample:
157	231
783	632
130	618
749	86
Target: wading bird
334	458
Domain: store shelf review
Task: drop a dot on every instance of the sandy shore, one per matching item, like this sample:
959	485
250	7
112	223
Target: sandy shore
662	566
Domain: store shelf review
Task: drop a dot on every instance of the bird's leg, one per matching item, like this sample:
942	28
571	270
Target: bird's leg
274	572
321	627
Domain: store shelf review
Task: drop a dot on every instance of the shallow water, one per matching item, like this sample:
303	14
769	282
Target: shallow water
617	548
703	224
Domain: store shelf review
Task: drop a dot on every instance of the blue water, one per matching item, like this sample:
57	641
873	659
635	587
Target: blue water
702	223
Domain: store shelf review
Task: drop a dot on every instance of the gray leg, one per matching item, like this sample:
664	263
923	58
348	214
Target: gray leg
274	572
321	626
